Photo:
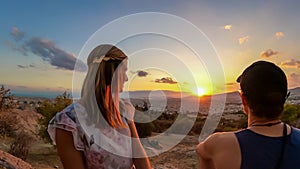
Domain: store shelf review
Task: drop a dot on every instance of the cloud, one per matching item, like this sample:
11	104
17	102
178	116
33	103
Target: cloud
57	57
294	76
25	67
45	49
166	80
24	87
16	33
142	73
294	80
22	67
279	35
19	48
291	64
227	27
231	84
268	53
243	39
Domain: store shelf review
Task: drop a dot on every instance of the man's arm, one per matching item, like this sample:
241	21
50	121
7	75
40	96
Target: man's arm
69	156
205	154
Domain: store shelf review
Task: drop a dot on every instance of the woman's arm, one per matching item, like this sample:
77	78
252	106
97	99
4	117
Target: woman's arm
137	148
69	156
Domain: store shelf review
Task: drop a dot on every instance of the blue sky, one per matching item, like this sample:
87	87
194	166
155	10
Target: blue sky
256	30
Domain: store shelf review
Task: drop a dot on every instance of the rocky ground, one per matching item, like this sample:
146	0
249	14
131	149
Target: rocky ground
182	156
43	156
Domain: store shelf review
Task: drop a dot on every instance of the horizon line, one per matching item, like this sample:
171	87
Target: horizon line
53	94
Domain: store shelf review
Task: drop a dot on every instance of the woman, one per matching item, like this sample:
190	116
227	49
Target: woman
98	131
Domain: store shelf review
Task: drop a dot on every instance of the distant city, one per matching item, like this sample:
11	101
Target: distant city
162	101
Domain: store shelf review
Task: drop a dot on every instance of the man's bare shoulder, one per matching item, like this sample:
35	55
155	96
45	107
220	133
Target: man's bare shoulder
217	140
221	148
221	137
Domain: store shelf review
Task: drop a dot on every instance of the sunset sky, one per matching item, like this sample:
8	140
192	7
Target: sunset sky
41	40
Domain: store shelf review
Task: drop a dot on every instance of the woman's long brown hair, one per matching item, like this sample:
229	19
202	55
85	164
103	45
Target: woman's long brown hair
106	74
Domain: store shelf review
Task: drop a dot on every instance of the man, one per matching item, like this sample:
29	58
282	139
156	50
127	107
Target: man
267	143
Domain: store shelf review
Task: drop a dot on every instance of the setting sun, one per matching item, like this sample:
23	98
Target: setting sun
200	91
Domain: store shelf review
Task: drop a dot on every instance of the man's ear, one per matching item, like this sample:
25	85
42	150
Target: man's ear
244	100
245	104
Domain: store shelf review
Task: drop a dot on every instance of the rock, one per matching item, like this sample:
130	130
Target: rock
8	161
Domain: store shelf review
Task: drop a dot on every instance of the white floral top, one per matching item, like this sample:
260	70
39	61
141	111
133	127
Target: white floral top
96	157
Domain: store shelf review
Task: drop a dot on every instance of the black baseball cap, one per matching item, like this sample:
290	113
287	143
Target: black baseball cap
264	83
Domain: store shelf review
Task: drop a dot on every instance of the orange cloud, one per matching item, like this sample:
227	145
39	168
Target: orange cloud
243	39
291	64
268	53
279	35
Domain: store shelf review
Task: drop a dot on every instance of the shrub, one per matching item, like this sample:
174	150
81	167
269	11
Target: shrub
197	128
161	125
291	113
48	110
168	116
21	145
143	129
6	129
7	125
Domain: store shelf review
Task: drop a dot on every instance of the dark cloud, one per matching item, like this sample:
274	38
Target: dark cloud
165	80
268	53
16	33
24	87
142	73
291	64
231	84
60	87
25	67
22	67
47	50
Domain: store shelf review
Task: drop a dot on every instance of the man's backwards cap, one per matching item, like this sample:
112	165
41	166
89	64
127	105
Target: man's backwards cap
264	83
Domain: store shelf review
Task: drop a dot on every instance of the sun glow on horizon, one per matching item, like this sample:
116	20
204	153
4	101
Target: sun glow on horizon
199	91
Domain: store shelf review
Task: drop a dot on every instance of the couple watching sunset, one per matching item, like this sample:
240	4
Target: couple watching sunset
98	130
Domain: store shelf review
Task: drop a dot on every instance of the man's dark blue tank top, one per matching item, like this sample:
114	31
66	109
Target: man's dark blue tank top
263	152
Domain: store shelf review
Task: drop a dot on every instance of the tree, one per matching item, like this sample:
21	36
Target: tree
48	109
6	98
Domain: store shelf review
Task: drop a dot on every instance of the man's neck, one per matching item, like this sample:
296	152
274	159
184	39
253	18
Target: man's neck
256	121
